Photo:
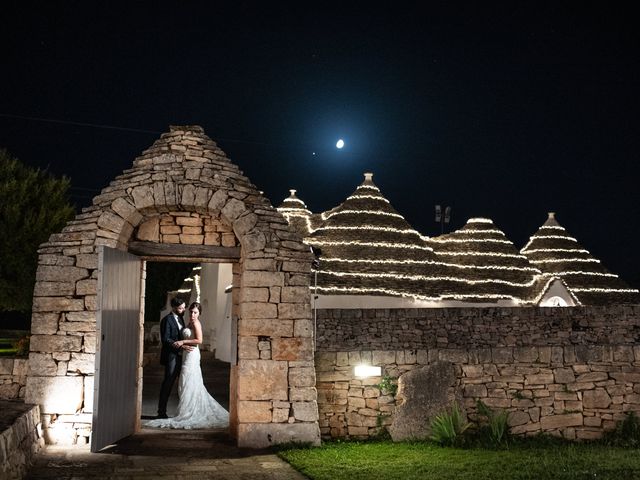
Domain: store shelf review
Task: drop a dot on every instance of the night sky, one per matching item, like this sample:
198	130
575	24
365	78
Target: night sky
506	111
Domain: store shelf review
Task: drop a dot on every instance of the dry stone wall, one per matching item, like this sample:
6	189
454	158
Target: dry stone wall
13	378
556	373
181	190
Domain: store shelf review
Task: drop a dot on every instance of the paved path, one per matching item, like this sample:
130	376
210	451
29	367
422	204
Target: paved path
172	454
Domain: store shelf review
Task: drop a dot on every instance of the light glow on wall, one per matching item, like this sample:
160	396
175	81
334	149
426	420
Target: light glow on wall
365	371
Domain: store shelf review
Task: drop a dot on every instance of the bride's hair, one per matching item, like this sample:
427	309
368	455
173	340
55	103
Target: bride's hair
196	305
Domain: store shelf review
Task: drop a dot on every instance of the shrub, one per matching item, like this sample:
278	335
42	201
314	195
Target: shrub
388	385
497	428
447	428
627	432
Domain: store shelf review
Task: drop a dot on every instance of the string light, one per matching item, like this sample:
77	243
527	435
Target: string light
483	254
472	232
428	279
566	260
337	243
372	227
197	285
595	274
470	240
607	290
396	293
430	262
372	197
569	250
480	220
360	212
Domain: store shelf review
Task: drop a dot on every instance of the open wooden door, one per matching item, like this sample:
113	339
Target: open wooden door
115	400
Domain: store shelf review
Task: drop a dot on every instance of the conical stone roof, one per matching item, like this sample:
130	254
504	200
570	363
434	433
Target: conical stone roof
368	248
485	263
556	253
296	213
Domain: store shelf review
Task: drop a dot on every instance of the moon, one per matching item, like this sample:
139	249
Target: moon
340	143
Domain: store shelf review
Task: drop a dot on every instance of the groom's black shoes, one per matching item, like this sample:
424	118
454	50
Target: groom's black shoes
162	415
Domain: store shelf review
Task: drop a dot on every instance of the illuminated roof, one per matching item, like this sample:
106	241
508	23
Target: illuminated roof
556	253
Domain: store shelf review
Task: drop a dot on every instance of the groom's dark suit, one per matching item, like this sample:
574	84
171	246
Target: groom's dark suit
170	357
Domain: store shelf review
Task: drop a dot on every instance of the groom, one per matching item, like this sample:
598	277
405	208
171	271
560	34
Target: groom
170	327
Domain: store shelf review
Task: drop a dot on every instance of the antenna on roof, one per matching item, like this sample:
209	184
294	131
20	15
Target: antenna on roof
443	218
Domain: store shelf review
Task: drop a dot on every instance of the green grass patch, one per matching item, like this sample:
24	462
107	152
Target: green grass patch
425	461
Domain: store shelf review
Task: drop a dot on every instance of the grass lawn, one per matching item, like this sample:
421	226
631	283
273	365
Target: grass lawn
426	461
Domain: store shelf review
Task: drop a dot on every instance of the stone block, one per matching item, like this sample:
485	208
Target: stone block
233	209
248	347
83	363
379	357
86	287
149	231
302	377
245	224
564	375
262	380
422	394
598	398
187	239
265	327
42	364
295	294
625	377
44	323
258	310
252	411
263	435
294	310
453	355
262	279
541	379
552	422
6	366
53	289
111	222
55	343
249	294
475	391
89	343
291	349
518	418
55	395
57	304
525	354
305	411
126	210
303	328
302	394
592	377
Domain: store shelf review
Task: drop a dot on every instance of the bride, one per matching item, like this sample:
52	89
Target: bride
196	408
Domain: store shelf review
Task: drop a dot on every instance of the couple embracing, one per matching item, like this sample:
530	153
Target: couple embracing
180	356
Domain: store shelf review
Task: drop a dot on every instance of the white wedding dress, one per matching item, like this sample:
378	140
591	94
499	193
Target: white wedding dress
196	408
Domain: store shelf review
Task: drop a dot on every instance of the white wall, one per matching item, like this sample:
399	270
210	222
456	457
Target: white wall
216	317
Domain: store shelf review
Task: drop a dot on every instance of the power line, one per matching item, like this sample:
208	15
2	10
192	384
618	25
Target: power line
114	127
78	124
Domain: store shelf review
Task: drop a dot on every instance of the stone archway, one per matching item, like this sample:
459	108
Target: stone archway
183	174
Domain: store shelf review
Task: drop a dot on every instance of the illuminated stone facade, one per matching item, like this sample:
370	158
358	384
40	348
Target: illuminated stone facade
181	191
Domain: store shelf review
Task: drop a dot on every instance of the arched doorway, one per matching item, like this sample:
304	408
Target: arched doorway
184	183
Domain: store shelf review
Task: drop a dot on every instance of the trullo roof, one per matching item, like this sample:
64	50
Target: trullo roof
557	253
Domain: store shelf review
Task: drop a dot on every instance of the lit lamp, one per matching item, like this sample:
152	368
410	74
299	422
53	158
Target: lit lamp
364	371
